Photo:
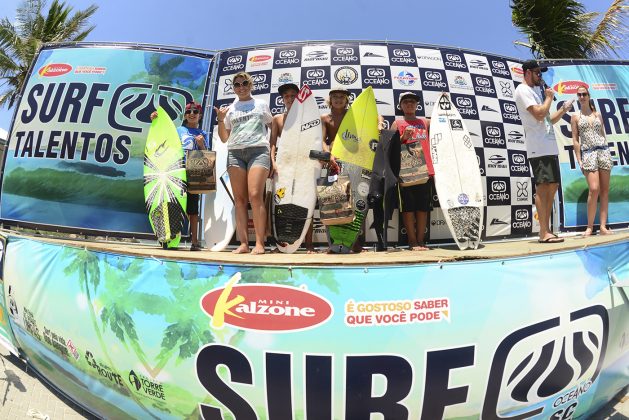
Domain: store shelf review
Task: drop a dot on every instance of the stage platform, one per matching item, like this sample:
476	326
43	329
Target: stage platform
393	256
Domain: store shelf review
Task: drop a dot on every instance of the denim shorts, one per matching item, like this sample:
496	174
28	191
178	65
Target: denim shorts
248	157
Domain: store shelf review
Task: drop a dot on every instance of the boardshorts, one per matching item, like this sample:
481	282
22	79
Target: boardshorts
416	197
545	169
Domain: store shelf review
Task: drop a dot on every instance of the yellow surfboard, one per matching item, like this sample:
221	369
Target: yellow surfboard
357	138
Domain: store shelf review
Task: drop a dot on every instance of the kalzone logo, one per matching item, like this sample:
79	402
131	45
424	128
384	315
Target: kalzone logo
265	307
54	69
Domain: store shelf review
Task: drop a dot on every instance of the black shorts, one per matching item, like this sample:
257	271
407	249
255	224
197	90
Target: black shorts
192	206
545	169
416	197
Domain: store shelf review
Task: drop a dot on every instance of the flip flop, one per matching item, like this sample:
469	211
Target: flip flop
551	240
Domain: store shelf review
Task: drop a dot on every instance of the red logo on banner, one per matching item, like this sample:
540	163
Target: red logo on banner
52	70
265	307
304	93
569	86
517	70
258	58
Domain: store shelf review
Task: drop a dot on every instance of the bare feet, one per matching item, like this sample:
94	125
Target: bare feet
242	249
257	250
419	248
588	232
311	250
605	231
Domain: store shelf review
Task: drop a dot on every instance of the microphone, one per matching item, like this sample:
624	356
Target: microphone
544	87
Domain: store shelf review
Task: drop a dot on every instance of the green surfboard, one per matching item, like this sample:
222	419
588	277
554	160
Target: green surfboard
165	180
355	146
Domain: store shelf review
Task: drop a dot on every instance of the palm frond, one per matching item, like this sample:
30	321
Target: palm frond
611	33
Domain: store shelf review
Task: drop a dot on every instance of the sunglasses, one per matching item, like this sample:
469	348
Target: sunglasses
245	83
192	111
582	95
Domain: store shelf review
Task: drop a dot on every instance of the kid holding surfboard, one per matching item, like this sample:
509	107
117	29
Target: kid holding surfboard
416	200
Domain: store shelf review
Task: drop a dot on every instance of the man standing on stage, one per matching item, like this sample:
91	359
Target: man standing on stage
534	99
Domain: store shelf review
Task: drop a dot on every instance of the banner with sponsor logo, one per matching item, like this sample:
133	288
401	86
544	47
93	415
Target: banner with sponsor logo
75	155
7	305
481	85
608	84
133	337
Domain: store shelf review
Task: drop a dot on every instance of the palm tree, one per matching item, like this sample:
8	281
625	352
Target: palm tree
20	42
564	29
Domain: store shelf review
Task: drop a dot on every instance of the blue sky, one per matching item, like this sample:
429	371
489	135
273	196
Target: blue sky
216	25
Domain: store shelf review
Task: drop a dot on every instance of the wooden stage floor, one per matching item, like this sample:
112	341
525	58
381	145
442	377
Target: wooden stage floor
436	254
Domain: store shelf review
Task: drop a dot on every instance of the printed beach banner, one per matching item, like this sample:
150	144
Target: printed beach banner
75	155
134	337
608	85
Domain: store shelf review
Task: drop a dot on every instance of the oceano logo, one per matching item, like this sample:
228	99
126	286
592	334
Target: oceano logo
288	54
464	102
279	101
401	53
498	64
374	72
236	59
498	186
510	108
483	81
454	58
345	51
492	131
521	214
258	78
518	158
315	73
433	75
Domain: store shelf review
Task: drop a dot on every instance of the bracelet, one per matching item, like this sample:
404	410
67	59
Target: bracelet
220	121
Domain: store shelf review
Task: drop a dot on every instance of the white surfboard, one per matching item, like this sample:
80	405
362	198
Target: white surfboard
219	212
457	175
294	188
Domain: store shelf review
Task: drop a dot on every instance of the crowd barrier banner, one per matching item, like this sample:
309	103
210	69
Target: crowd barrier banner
7	339
608	85
134	337
75	153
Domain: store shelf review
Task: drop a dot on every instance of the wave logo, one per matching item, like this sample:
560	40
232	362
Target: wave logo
265	307
510	108
493	131
498	186
543	361
464	102
234	59
258	78
483	81
54	69
315	73
433	75
455	58
375	72
288	54
498	65
401	53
